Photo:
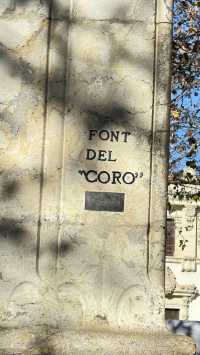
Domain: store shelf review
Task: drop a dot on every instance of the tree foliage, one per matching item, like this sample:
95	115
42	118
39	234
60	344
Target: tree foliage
185	98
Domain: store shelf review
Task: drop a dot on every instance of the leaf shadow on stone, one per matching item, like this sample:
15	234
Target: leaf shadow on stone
66	247
42	349
113	114
9	189
103	116
12	230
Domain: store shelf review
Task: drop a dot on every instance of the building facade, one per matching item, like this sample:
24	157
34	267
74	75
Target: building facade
183	252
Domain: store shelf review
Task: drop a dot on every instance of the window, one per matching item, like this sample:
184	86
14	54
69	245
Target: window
170	238
172	313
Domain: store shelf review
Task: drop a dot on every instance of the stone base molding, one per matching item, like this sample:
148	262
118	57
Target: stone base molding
85	342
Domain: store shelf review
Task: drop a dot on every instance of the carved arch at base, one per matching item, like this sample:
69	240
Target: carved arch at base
32	303
73	304
132	307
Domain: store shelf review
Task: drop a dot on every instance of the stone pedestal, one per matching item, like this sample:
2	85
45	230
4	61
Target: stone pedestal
104	342
85	120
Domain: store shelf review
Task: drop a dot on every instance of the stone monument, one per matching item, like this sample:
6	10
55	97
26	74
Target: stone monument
84	117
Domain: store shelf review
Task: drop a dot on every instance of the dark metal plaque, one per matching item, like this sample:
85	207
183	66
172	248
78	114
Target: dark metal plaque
104	201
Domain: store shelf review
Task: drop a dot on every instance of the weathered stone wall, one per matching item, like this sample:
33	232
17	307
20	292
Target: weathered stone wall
23	71
82	239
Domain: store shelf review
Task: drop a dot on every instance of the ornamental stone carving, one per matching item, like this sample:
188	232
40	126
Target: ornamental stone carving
190	216
170	282
188	265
